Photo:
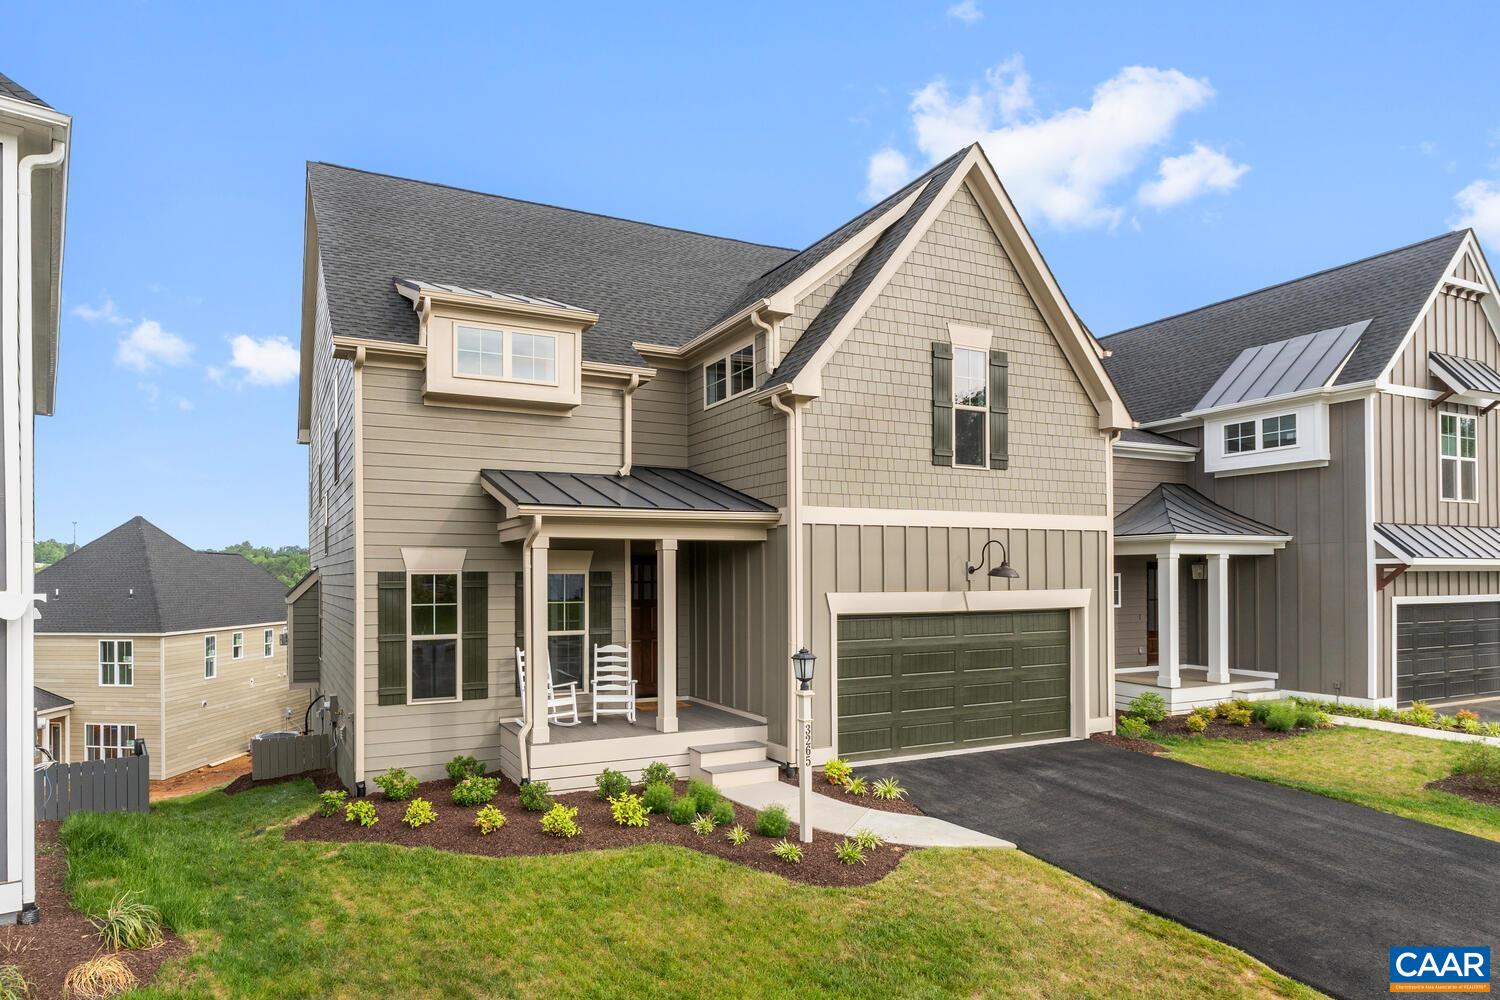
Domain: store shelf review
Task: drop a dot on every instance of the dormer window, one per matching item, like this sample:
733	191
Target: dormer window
520	356
1239	438
728	376
1279	431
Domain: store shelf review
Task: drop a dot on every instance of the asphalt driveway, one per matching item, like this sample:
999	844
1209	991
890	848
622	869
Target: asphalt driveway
1315	888
1488	709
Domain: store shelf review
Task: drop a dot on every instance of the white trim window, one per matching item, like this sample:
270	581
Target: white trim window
432	669
116	662
1458	450
1239	438
1279	431
1119	590
108	740
210	657
971	408
509	355
567	626
268	643
727	377
237	646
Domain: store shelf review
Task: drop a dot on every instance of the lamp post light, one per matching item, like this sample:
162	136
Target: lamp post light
803	664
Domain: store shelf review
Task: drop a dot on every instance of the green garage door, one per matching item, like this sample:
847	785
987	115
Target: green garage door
1447	651
923	683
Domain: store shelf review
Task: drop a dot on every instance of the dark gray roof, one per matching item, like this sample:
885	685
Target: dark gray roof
646	488
46	701
1174	509
1286	366
1473	376
647	283
175	588
1442	541
418	286
1163	368
11	88
1134	435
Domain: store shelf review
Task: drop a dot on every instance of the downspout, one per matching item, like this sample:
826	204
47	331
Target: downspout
536	529
773	345
625	437
357	404
795	635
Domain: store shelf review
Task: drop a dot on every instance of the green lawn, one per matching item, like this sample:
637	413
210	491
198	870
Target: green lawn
1383	771
271	918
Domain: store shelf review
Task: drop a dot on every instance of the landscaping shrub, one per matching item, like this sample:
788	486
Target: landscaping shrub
1132	728
1148	705
737	835
397	783
475	790
1209	712
1466	715
684	810
560	821
1479	760
857	786
867	840
361	811
1470	726
129	923
1195	723
535	796
629	810
887	789
13	984
489	819
419	813
331	801
657	796
464	766
611	784
1309	717
722	812
1491	728
703	824
1385	713
772	821
100	977
703	793
837	771
787	851
1422	713
1238	716
658	772
1281	718
849	853
1260	711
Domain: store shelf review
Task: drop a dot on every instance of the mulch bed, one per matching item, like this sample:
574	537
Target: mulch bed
324	780
64	938
1218	729
1122	743
822	787
522	835
1467	785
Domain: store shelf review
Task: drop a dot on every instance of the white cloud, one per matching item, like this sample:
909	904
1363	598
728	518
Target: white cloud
1183	178
272	361
888	170
966	11
104	312
1064	166
185	404
148	345
1479	209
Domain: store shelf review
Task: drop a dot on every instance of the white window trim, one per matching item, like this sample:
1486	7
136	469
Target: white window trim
210	657
724	357
1458	479
1119	590
237	646
1258	436
268	643
507	335
117	661
984	437
122	751
575	562
457	637
1254	436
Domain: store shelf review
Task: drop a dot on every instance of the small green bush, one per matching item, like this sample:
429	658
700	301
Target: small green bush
560	821
1309	717
867	840
857	786
656	771
398	784
849	853
1490	728
837	771
658	796
722	812
1281	718
704	824
1421	713
361	811
489	819
1470	726
1195	724
1479	760
772	821
1466	715
887	790
1148	705
1238	716
737	835
13	984
787	851
475	790
629	810
464	766
129	924
1260	711
419	813
331	801
703	793
1385	713
684	810
535	796
611	784
1132	728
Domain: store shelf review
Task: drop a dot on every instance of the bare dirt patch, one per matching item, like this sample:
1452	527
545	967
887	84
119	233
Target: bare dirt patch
868	801
1467	785
200	779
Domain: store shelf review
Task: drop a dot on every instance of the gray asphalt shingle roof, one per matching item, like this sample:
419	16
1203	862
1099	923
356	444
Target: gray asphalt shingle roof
11	88
1134	435
1442	541
46	701
1163	368
139	579
1474	376
1174	509
646	488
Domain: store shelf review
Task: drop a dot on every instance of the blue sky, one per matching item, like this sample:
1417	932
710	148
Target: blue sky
1162	160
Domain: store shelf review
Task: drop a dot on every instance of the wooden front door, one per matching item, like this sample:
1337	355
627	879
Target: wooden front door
1153	652
643	623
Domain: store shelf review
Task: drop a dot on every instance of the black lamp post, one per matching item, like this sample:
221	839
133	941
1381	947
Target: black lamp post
1004	571
803	665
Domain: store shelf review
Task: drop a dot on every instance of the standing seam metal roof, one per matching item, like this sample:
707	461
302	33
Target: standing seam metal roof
1443	541
1174	509
647	488
1286	366
1475	376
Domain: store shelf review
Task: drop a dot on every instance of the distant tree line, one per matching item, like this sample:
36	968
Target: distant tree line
288	563
47	551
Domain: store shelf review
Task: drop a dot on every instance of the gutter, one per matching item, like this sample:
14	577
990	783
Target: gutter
773	339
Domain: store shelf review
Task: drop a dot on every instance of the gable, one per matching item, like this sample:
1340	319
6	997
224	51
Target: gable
1460	320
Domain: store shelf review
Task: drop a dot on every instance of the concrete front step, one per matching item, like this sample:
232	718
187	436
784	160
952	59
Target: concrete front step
742	752
735	775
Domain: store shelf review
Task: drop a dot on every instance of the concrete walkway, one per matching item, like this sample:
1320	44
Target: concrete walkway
1401	729
843	818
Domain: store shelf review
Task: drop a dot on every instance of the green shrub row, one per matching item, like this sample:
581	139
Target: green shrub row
1419	713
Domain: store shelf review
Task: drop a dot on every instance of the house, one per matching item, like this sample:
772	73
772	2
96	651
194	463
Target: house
531	428
145	638
33	198
1311	501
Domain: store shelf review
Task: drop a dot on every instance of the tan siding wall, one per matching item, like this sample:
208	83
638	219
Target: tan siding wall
1135	477
868	438
659	433
1452	326
740	443
69	665
1422	585
795	325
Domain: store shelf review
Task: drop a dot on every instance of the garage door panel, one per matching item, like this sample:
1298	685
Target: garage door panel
927	626
988	658
866	628
984	695
857	668
1447	651
989	729
1036	724
1044	689
943	661
926	736
928	699
981	623
858	704
866	742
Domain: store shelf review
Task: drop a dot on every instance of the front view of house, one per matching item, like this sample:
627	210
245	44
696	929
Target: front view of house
534	433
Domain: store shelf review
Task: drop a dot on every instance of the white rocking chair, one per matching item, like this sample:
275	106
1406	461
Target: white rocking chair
562	700
614	688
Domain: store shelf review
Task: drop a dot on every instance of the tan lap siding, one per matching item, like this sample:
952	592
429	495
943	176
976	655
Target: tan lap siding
658	432
1455	585
69	665
1135	477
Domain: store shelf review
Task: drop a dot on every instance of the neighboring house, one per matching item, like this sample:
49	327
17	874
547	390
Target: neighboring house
54	724
146	638
33	198
1312	501
537	428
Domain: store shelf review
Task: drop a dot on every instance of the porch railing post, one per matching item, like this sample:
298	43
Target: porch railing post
666	635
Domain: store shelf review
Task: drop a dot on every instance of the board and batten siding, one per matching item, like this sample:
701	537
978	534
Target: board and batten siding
68	664
1135	477
1422	584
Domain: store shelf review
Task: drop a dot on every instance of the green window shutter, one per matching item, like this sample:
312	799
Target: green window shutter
520	616
942	403
390	629
999	410
601	611
476	637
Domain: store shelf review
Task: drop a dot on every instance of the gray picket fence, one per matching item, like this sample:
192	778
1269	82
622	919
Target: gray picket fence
274	756
119	785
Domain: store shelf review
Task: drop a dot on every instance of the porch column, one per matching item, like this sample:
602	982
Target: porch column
666	635
1218	618
538	669
1168	599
